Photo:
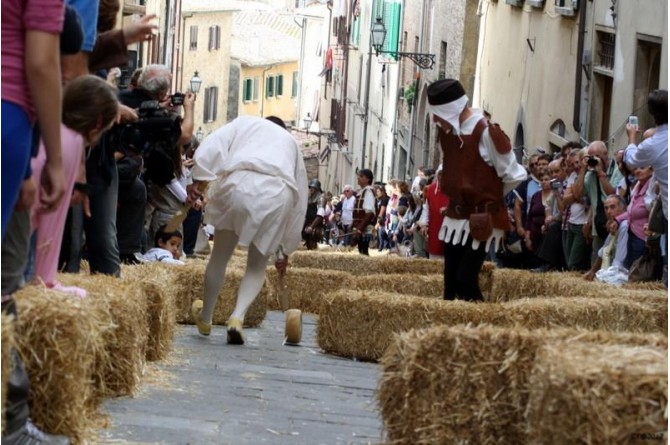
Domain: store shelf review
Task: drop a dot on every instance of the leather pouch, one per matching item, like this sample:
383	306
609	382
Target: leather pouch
481	226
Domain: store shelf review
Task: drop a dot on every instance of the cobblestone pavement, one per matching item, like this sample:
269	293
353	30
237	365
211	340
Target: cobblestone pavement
207	392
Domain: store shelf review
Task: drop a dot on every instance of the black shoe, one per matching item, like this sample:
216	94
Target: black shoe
29	434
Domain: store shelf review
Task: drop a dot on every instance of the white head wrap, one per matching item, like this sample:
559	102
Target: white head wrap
450	112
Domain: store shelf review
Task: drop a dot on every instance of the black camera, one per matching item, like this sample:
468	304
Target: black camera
177	99
592	161
556	185
155	128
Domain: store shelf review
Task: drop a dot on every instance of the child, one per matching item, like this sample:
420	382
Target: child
90	108
168	247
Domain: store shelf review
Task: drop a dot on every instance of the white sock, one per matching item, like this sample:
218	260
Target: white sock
252	282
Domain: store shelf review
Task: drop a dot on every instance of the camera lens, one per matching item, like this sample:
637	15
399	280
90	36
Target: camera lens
592	162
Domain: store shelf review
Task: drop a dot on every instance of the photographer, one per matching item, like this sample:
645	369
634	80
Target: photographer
596	175
152	144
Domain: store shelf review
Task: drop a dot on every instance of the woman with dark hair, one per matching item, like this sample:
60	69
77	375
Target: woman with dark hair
535	220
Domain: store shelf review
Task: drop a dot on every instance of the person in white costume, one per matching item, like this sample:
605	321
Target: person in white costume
257	199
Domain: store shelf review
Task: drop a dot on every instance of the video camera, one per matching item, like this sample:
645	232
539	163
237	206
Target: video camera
156	128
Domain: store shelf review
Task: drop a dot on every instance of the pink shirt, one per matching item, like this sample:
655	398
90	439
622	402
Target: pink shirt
18	16
637	213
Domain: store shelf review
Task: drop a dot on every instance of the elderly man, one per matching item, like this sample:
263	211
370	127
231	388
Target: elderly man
479	169
157	190
347	216
551	249
597	178
257	199
614	250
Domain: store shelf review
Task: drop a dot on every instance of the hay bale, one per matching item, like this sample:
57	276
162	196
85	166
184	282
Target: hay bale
419	285
512	284
646	285
305	287
357	264
61	340
604	395
361	323
126	306
189	285
466	384
609	314
8	343
156	282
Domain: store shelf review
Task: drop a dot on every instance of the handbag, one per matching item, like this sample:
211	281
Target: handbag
657	222
648	266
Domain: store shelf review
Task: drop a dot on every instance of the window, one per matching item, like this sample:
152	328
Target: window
566	8
356	25
214	37
269	86
605	54
294	85
279	85
211	97
256	88
442	71
194	38
390	12
247	90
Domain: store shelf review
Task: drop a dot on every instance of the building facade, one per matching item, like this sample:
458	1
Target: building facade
562	70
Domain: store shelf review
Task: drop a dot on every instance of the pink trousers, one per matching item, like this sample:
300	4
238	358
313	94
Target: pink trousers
50	226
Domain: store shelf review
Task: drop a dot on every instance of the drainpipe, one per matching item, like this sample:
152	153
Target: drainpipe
303	28
264	86
576	112
367	107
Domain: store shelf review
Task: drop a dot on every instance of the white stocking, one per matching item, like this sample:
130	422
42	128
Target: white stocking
225	242
252	282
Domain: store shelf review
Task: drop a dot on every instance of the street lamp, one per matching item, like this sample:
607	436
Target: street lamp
196	81
308	122
378	35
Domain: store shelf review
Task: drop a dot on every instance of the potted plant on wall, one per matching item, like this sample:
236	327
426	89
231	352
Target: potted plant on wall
410	95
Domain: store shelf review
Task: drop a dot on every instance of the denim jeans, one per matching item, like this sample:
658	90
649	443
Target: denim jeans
102	247
635	248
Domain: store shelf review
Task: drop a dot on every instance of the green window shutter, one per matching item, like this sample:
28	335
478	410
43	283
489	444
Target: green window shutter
280	85
356	32
377	10
392	16
269	86
247	90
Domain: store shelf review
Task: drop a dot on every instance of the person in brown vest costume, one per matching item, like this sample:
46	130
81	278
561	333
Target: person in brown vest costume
479	169
312	231
364	212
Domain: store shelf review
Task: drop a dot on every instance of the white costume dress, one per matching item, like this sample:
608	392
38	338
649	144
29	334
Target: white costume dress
258	183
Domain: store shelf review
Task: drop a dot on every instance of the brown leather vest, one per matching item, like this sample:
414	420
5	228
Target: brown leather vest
471	184
362	218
